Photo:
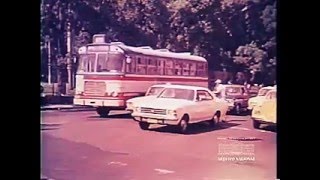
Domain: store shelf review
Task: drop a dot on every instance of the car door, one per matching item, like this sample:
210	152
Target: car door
205	104
269	107
245	97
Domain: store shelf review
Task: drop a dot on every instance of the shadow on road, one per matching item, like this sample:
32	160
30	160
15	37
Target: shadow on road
269	128
75	110
110	117
237	120
49	126
196	128
244	113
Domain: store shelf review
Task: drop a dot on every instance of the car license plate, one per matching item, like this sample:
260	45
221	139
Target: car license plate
150	120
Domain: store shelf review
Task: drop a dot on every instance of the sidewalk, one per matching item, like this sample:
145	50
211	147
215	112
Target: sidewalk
65	106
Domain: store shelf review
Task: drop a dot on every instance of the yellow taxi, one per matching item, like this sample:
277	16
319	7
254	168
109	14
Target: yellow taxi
266	111
254	101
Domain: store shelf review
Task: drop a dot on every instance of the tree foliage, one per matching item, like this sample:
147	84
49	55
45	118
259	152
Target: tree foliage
236	35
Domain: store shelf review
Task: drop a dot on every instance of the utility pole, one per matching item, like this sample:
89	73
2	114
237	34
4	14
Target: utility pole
48	41
69	55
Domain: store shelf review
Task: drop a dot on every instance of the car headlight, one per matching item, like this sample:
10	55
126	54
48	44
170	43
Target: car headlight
137	109
172	112
256	112
230	100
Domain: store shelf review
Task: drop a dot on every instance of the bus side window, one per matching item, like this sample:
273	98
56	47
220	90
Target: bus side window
193	69
160	66
141	66
186	69
201	69
152	66
169	67
131	67
178	67
206	69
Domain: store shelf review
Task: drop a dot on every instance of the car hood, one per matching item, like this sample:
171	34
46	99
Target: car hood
236	96
165	103
141	99
256	99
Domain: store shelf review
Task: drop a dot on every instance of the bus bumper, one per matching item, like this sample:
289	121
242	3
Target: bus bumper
100	102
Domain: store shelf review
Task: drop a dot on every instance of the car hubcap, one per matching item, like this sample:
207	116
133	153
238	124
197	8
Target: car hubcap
183	125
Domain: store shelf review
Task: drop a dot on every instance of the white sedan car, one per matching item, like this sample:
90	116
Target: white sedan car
180	105
151	93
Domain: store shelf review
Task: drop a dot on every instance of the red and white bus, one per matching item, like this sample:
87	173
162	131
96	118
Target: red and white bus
111	73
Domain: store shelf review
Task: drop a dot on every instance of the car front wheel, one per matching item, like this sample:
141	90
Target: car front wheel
256	124
216	119
183	125
237	109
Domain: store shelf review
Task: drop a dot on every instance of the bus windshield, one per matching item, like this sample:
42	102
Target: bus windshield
106	62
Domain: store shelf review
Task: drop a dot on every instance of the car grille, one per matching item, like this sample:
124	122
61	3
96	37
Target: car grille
94	88
253	103
153	111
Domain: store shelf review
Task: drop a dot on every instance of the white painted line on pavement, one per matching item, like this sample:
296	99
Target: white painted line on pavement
53	123
45	178
164	171
264	131
240	128
117	163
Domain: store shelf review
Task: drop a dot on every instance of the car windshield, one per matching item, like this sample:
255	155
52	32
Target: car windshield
263	92
233	91
273	95
106	62
154	91
177	93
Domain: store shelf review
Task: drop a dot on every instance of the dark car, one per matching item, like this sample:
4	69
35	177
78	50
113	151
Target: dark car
42	96
237	97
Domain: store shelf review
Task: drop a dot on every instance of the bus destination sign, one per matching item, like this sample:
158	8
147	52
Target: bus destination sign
98	48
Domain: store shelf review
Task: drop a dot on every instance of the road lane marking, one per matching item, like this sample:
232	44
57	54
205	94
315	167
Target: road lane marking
240	128
163	171
117	163
43	177
264	131
53	123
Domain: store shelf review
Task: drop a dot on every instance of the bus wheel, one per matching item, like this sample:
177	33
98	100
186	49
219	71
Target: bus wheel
144	125
103	111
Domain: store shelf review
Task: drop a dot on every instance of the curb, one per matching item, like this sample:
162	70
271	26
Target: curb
82	108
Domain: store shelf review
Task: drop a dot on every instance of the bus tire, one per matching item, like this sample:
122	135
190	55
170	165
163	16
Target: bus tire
144	125
103	111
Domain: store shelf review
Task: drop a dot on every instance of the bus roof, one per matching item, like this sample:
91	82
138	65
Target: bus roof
146	50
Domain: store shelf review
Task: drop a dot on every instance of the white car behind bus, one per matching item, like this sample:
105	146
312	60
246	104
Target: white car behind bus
151	93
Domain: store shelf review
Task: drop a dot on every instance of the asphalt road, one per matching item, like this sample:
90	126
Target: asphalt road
82	146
